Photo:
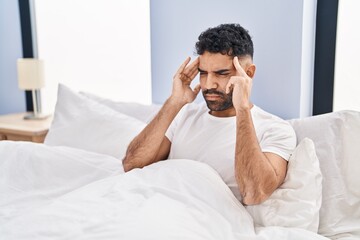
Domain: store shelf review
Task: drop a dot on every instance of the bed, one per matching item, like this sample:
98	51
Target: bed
73	186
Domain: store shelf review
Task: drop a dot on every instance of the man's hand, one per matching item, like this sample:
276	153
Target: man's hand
151	145
241	85
181	91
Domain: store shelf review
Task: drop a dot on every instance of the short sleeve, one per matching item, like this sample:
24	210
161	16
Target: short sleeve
172	128
279	138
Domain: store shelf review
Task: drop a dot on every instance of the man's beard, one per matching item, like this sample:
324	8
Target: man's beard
225	101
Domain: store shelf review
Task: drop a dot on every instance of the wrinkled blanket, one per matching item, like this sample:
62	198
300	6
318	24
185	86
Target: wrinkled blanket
66	193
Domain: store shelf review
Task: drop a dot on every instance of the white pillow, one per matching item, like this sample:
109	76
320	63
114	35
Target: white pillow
297	202
142	112
80	122
336	136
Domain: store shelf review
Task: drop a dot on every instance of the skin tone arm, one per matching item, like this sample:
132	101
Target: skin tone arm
151	145
257	174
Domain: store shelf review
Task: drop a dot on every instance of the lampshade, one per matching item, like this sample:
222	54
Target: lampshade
30	73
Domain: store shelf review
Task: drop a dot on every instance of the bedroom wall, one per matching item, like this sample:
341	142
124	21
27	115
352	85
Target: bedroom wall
283	35
282	32
11	98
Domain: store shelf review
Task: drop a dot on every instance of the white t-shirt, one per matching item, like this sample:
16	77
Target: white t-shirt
198	135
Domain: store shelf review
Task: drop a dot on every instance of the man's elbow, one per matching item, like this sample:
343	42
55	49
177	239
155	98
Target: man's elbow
258	195
254	199
127	163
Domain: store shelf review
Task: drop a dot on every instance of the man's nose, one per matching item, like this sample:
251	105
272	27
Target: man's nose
211	82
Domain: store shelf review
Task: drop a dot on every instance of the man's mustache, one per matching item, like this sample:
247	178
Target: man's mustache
213	91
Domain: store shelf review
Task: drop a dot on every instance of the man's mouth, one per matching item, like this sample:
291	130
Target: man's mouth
212	97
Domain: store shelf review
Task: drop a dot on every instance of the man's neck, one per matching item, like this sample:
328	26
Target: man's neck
230	112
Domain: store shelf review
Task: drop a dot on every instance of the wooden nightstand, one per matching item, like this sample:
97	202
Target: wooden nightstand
14	127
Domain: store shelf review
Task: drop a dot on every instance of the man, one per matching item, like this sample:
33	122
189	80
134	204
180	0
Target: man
247	146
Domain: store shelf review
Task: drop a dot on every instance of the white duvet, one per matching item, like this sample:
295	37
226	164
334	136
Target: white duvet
66	193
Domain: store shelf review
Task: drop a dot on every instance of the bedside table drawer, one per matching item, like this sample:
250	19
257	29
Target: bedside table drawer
15	137
18	137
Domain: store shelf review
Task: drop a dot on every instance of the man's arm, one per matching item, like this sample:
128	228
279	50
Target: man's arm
257	174
151	145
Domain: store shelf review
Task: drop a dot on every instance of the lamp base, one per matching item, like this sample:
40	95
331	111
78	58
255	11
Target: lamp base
32	116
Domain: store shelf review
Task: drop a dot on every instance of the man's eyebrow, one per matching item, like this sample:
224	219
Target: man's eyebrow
200	70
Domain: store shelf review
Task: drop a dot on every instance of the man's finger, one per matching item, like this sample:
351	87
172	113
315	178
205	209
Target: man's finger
182	67
197	89
194	73
240	71
229	85
195	63
193	67
191	71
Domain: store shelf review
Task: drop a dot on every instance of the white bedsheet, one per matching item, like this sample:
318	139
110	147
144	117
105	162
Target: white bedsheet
65	193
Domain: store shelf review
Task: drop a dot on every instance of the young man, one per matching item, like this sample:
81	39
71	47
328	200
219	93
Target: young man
247	146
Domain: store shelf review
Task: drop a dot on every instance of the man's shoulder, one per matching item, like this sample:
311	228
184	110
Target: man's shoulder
188	112
194	109
268	120
260	114
274	128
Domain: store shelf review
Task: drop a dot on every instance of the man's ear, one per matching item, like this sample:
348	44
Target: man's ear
250	70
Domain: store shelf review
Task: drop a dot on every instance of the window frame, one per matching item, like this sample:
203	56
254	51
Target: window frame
325	47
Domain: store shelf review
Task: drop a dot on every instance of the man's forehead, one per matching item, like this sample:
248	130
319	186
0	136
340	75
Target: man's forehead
215	62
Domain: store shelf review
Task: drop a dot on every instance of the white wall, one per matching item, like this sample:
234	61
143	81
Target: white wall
12	99
347	66
102	47
282	39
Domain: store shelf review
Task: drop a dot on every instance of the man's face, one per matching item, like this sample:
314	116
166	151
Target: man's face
215	71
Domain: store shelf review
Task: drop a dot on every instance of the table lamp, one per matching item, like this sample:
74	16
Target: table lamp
31	77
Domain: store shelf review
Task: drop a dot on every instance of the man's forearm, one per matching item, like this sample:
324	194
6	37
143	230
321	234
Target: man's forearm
254	173
144	149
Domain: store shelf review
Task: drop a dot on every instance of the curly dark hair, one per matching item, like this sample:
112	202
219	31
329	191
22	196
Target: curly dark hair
230	39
